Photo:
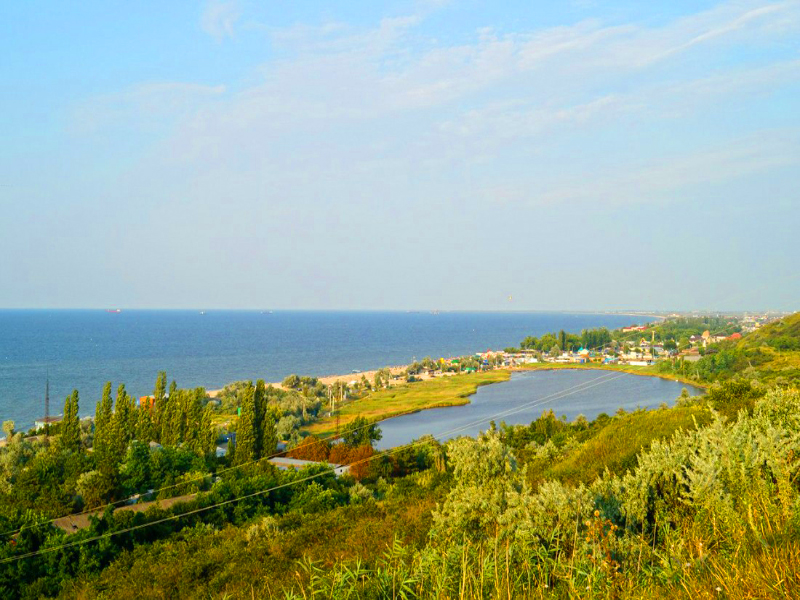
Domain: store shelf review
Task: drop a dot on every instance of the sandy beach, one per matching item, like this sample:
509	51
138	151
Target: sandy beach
346	378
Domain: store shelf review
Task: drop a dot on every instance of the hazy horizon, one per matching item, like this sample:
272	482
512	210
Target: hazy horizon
618	311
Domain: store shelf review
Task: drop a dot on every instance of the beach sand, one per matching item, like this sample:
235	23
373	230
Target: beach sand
347	378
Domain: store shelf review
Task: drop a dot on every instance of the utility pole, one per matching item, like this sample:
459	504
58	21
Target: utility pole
47	405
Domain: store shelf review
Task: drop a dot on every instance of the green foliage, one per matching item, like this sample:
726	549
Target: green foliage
70	424
649	503
123	424
246	434
487	489
103	436
616	445
403	399
361	432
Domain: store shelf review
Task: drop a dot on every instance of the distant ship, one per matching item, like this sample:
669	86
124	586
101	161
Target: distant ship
202	312
114	310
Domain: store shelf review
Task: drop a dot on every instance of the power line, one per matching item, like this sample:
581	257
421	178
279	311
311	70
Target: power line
124	501
555	396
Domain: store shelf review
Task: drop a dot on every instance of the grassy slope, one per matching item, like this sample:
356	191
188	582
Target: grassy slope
778	363
789	326
616	446
245	562
238	566
237	562
408	398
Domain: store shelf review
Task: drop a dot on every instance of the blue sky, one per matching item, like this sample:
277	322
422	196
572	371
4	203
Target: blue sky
428	154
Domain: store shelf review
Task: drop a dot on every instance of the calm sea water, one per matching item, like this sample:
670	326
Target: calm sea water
526	395
81	349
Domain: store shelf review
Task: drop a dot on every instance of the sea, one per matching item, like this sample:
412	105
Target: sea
82	349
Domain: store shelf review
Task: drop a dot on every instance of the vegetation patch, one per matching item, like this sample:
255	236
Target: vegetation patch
382	404
616	446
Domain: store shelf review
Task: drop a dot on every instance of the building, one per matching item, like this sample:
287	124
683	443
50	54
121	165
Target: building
284	463
39	424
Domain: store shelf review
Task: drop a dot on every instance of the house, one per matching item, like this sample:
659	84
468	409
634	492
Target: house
44	421
735	336
284	463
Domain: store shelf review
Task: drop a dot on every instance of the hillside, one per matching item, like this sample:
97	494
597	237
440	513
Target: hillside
664	503
780	335
770	355
773	351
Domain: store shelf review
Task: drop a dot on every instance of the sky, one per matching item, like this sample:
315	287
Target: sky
423	154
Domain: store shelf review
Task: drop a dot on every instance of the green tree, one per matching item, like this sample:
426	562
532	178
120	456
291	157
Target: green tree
103	435
291	382
361	433
145	428
265	419
159	400
207	441
171	417
71	425
123	427
8	430
93	488
136	470
246	429
487	489
259	412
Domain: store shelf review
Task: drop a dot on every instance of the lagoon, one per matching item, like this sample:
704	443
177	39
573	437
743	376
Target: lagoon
522	399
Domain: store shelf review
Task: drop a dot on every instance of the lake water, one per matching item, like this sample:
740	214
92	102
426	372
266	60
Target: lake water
527	394
81	349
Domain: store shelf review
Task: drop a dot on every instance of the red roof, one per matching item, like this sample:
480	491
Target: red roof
735	336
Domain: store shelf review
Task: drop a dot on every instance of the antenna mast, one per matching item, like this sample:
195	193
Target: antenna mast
47	399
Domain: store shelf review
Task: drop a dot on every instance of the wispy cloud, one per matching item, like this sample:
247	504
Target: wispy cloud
672	178
219	18
350	105
145	103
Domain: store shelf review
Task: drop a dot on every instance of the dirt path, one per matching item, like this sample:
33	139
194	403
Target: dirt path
73	523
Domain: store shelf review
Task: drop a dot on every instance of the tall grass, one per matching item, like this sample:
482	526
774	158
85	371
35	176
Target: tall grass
616	446
712	512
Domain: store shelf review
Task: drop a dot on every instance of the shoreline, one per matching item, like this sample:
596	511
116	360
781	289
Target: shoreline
324	427
404	399
600	367
330	379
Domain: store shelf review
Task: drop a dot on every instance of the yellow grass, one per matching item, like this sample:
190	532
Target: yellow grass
411	397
